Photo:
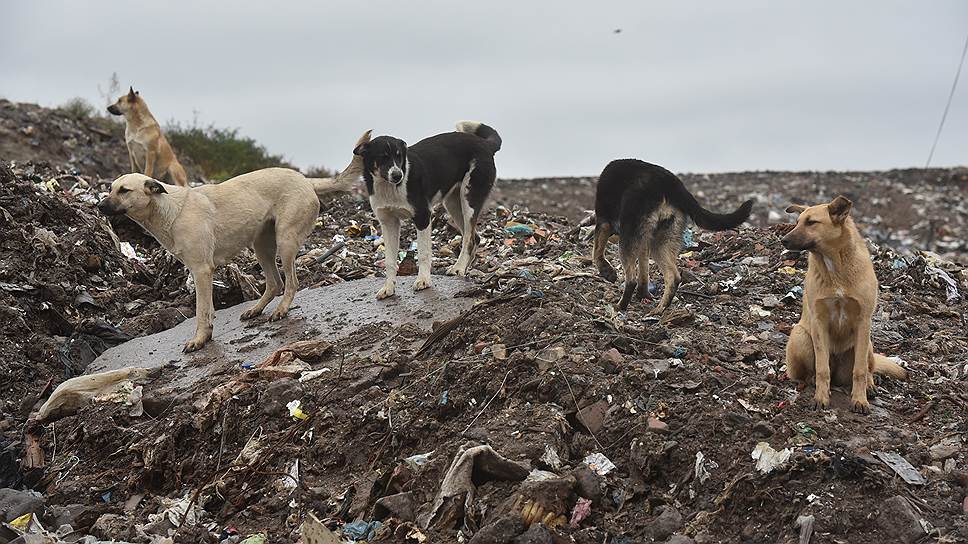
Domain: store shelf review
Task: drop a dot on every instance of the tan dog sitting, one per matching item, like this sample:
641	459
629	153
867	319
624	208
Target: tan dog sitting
271	211
148	150
832	341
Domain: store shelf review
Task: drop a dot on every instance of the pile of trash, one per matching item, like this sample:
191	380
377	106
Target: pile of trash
540	414
907	209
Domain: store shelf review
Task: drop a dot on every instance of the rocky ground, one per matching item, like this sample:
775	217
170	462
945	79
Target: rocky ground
539	415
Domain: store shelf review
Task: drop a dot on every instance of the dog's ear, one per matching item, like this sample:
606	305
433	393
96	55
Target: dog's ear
360	149
365	138
152	187
131	93
796	208
839	209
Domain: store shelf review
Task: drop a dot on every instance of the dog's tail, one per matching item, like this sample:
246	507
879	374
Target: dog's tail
887	367
344	181
482	131
681	198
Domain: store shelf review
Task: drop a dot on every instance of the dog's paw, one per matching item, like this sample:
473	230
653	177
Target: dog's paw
194	344
387	291
278	314
821	402
608	273
643	294
457	270
421	283
250	313
860	406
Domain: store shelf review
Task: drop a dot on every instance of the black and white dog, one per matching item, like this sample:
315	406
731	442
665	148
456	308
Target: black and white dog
403	182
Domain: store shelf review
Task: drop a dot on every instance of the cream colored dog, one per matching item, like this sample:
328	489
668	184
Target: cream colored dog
148	150
271	211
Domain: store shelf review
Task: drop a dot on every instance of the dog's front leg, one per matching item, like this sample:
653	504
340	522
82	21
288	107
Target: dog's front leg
149	162
424	251
862	354
131	159
821	353
204	308
390	224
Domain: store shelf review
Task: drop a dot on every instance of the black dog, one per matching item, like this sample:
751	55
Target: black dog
647	206
456	168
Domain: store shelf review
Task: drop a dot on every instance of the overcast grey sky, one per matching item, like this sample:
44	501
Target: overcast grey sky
695	86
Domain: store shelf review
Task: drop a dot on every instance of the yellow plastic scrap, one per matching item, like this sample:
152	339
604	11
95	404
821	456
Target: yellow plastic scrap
788	270
22	522
295	411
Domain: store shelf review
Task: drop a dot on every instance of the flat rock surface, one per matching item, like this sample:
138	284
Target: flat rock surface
331	312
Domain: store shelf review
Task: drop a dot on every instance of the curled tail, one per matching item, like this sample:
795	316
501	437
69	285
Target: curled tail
887	367
707	219
344	181
482	131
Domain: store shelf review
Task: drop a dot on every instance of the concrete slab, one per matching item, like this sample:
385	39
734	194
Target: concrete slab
330	312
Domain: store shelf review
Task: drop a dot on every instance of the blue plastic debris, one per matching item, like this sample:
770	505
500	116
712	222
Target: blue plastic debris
361	530
687	238
519	230
443	397
371	237
526	274
679	352
898	264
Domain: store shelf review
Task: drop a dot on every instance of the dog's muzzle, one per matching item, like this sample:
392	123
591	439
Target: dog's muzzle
794	244
107	207
113	110
396	175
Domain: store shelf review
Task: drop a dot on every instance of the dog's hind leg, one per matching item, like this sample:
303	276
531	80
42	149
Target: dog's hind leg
473	192
603	231
204	308
288	247
799	355
265	252
668	255
642	292
455	212
629	250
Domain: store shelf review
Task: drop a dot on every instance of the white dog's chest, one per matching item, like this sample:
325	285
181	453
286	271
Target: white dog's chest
391	199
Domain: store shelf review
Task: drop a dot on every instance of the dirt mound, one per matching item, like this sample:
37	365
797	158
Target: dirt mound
625	429
91	146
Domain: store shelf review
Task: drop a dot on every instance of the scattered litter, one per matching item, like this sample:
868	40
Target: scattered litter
314	532
295	411
583	508
951	286
361	530
768	459
902	467
600	464
703	467
550	457
310	375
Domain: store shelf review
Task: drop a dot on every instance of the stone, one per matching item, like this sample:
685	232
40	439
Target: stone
947	448
588	484
501	531
666	523
592	416
536	534
14	503
762	429
898	518
656	425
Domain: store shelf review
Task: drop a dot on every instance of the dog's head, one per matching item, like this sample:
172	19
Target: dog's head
817	226
384	158
130	194
125	102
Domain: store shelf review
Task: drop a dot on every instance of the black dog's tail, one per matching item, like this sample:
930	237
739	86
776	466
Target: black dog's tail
482	131
683	199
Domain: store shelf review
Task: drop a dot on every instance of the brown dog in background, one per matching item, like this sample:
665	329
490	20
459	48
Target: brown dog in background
832	341
148	150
